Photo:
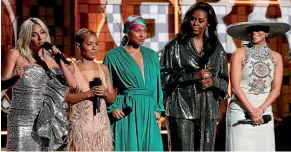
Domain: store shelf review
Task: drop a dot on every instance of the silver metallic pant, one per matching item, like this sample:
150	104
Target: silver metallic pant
191	135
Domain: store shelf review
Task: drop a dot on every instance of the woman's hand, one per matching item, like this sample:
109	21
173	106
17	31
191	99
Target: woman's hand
20	71
158	117
257	112
118	114
256	115
206	83
99	91
258	121
55	50
202	74
205	76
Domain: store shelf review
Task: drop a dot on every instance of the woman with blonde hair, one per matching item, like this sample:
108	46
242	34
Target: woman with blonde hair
37	115
90	126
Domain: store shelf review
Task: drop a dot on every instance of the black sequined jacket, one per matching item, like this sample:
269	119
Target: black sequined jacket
183	96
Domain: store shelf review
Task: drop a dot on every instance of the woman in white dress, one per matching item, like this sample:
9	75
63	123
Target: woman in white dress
256	77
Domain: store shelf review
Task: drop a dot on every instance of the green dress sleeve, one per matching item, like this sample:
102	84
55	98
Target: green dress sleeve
112	107
158	93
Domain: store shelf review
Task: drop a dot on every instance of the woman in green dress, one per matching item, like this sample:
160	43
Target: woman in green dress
135	73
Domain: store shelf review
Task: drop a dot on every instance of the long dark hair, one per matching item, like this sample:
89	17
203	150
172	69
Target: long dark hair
186	27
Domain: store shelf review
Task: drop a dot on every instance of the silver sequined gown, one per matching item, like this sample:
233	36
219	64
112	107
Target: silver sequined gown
37	116
256	81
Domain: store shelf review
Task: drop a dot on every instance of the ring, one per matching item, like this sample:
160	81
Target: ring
205	75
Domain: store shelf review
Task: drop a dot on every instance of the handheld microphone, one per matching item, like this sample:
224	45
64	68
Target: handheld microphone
266	119
48	46
127	110
96	99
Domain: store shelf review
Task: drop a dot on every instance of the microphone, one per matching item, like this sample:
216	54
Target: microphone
127	110
96	99
266	119
48	46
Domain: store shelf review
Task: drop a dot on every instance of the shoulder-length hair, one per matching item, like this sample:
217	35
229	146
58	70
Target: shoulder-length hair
186	27
23	42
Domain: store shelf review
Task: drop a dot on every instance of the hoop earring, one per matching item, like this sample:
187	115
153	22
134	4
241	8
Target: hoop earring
206	32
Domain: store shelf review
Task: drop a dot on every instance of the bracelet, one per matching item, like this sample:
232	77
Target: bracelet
262	109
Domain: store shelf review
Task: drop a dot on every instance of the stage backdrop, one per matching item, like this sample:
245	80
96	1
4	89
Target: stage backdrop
65	17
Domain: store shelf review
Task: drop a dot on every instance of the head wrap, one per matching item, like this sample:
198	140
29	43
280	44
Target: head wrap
132	22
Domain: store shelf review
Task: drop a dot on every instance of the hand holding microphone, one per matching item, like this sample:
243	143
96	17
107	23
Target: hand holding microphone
56	53
99	90
119	114
96	100
266	119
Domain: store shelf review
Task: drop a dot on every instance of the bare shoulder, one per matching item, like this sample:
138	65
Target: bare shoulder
10	62
238	53
104	68
13	56
13	53
71	67
277	56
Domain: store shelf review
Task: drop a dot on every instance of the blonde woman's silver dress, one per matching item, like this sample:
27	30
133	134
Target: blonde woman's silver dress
37	116
257	76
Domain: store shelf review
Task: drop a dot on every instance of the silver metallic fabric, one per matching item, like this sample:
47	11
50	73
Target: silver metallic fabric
183	96
185	134
37	116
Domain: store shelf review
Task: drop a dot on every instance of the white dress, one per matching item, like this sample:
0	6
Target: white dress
257	76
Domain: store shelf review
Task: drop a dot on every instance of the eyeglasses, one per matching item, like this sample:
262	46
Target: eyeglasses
265	29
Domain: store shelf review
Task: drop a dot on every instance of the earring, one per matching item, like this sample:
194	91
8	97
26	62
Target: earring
206	32
267	35
127	40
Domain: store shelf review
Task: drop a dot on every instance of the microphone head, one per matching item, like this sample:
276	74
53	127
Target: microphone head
47	46
267	118
97	81
91	84
127	110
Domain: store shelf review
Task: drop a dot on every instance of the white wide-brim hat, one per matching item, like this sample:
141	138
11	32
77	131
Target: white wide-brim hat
239	30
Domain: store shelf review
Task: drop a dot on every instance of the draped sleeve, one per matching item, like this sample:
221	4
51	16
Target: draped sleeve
220	80
107	62
51	123
158	93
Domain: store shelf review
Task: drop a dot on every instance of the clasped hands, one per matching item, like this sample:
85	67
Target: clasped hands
205	78
256	116
100	91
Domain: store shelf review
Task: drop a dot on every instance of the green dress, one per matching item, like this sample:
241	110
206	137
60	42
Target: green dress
138	131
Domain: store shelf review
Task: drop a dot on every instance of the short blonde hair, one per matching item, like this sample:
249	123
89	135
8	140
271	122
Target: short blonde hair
23	42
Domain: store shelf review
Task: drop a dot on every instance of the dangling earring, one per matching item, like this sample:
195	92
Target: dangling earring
127	40
267	35
206	32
